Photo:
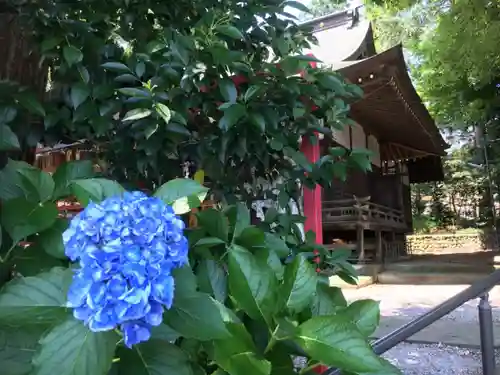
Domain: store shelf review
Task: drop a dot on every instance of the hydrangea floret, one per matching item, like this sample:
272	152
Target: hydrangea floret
127	248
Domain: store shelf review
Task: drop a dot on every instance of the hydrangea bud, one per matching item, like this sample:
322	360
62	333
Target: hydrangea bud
126	248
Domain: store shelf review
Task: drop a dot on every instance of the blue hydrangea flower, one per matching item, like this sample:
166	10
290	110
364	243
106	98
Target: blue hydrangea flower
127	248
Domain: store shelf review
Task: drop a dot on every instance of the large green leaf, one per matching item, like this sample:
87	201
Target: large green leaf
276	244
238	355
327	300
212	279
95	189
51	239
72	55
67	172
8	139
228	90
337	342
21	218
182	194
197	316
154	357
299	284
17	348
72	349
252	283
35	300
242	219
214	222
29	101
365	314
37	184
33	260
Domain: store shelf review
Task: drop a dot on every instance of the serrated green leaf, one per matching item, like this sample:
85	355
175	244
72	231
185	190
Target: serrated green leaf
17	348
365	314
22	218
164	112
212	279
79	93
51	239
72	349
154	357
337	342
197	316
230	31
95	189
72	55
252	283
35	300
8	139
177	193
327	300
299	284
37	184
136	114
68	172
238	354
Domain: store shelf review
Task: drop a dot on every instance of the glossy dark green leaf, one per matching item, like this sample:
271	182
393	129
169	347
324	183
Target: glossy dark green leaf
135	92
79	93
68	172
231	116
251	92
197	316
33	260
22	218
212	279
136	114
70	348
258	121
185	280
251	238
365	314
337	342
8	139
331	82
36	300
154	357
177	193
140	69
116	66
95	189
165	333
72	55
299	284
252	283
230	31
164	112
228	90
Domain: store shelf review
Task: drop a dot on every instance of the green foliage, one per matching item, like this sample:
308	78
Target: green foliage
155	87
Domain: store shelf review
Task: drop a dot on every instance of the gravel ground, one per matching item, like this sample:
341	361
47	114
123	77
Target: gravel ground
436	359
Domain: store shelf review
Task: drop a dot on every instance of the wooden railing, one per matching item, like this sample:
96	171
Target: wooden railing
361	210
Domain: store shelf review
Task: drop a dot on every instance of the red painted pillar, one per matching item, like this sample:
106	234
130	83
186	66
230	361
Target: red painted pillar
312	198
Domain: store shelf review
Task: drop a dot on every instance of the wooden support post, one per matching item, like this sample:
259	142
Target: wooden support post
360	236
312	198
378	244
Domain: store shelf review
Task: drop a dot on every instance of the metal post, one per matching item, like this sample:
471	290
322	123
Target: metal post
486	335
